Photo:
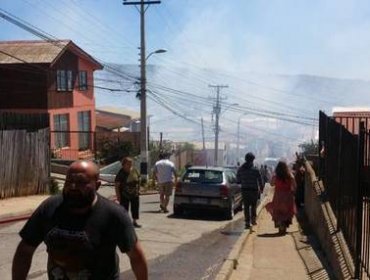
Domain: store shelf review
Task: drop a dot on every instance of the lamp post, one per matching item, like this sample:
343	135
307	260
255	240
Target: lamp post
238	135
143	112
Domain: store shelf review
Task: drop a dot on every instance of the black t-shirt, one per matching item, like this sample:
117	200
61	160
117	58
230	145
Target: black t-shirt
81	246
129	187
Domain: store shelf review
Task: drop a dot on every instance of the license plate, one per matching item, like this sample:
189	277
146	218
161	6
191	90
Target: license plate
200	200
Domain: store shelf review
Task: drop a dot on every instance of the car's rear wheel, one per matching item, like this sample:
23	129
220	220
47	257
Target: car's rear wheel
229	212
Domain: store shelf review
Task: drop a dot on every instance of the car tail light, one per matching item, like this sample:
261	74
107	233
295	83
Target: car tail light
224	191
178	187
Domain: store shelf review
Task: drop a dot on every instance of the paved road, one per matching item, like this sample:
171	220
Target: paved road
190	247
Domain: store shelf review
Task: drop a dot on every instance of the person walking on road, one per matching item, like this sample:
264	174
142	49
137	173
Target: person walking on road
250	178
127	186
165	174
282	207
81	230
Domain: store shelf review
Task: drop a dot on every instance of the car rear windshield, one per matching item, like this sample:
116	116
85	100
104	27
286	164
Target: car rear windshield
203	176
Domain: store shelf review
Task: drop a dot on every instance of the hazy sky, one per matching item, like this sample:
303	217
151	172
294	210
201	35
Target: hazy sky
239	38
320	37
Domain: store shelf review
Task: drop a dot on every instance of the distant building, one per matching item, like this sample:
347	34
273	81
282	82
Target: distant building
117	119
349	117
54	77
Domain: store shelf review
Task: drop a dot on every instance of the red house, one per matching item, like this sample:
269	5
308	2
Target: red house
54	77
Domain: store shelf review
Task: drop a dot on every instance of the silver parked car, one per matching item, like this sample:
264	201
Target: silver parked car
208	188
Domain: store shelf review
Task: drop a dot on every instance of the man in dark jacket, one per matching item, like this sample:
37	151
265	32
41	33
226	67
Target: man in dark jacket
250	179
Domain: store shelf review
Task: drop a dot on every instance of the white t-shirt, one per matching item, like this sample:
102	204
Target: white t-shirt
164	169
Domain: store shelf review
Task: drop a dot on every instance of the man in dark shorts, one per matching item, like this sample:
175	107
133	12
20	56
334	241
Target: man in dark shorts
81	230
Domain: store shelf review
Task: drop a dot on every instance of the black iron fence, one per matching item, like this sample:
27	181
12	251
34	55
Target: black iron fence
344	169
363	258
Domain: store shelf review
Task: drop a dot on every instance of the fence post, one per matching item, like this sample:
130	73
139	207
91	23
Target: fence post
339	191
359	214
323	132
95	147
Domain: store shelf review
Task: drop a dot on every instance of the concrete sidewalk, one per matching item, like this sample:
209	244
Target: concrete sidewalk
19	208
261	253
268	255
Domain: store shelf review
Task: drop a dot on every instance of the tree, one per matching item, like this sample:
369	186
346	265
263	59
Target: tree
111	149
155	150
309	148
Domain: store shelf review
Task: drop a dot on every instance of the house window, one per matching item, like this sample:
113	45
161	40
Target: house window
84	127
64	80
82	80
61	124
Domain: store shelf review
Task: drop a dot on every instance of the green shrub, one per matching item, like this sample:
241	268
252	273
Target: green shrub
53	186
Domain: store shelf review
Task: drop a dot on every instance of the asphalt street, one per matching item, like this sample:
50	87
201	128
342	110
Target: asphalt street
189	247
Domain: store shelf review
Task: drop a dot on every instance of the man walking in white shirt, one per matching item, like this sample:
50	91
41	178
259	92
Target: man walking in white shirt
165	174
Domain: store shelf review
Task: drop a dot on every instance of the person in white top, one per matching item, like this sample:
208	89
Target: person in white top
165	174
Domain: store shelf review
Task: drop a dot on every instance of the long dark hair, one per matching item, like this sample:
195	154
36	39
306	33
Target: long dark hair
282	171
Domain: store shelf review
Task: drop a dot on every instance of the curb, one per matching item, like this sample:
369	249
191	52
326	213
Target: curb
231	262
9	218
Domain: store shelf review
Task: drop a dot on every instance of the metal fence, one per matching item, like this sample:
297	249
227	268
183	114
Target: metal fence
344	169
363	257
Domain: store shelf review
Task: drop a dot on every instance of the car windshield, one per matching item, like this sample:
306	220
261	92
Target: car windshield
203	176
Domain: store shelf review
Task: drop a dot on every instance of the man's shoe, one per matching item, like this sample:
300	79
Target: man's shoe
136	225
247	226
254	223
166	211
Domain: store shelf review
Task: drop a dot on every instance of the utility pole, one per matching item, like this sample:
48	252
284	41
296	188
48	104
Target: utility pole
143	113
217	112
160	142
204	144
238	143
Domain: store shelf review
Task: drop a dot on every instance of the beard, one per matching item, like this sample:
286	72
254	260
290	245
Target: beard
77	199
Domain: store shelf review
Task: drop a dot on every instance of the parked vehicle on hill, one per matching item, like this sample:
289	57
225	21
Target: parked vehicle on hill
213	188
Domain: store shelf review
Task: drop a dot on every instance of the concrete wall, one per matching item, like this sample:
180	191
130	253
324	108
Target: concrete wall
323	223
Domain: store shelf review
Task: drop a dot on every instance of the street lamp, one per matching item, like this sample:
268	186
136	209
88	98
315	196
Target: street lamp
143	114
155	52
238	143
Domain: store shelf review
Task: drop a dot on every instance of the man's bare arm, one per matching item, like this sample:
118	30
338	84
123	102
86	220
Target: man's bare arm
22	261
138	262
